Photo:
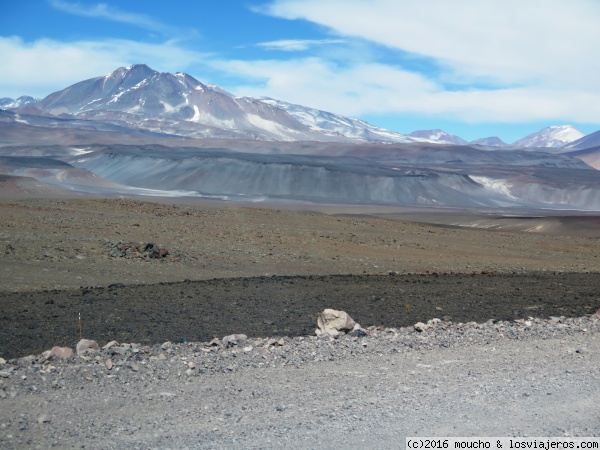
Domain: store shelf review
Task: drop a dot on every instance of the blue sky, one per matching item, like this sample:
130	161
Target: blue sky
473	68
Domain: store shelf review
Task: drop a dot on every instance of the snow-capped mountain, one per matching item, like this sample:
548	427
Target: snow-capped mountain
345	126
144	100
493	141
438	136
178	104
554	136
25	100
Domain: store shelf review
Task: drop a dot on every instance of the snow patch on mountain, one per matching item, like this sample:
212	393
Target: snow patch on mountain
587	141
553	136
438	137
344	126
24	100
494	185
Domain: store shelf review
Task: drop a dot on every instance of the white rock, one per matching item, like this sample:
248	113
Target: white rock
62	352
234	339
110	344
85	346
420	327
332	322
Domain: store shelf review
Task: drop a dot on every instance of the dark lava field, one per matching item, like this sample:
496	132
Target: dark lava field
31	322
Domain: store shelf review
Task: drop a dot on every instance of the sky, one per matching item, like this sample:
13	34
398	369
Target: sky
473	68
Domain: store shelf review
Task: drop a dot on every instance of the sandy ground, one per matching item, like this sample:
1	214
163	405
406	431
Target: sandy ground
55	244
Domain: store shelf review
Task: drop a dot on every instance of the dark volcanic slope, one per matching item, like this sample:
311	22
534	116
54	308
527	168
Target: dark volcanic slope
471	178
197	311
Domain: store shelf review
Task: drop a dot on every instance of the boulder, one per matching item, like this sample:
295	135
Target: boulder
332	322
86	345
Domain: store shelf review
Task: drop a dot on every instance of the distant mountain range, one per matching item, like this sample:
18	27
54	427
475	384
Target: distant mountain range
144	100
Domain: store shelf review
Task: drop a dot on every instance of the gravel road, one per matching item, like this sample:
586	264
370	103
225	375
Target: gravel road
523	378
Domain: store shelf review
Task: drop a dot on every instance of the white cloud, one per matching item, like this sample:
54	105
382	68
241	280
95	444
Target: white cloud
509	41
103	11
506	60
373	88
294	45
318	83
44	66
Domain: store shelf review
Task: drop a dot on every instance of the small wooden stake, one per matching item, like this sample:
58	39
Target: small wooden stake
80	328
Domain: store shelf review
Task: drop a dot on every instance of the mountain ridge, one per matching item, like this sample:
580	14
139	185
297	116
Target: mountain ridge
141	98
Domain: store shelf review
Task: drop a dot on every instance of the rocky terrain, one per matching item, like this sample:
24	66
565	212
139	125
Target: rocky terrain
507	342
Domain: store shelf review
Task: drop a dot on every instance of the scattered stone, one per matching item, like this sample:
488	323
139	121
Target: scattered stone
136	250
4	374
359	332
86	346
43	419
2	361
110	344
167	345
420	327
332	322
248	348
189	372
61	352
167	394
215	342
109	364
191	365
234	339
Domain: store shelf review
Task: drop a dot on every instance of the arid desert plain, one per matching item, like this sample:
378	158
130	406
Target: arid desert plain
515	350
